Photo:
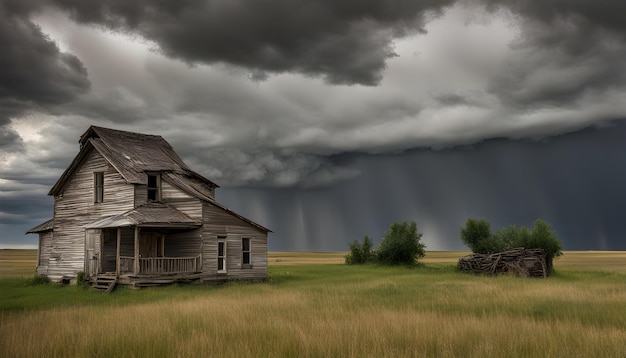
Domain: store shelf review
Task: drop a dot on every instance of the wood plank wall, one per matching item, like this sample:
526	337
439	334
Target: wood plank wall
45	248
180	200
183	244
218	223
75	208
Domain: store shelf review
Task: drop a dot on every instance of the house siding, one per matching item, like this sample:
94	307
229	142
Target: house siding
45	247
173	196
183	244
75	208
218	223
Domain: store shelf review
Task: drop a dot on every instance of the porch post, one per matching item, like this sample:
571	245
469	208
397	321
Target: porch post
117	254
136	268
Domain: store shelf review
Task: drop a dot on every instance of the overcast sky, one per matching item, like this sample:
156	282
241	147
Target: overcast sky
325	120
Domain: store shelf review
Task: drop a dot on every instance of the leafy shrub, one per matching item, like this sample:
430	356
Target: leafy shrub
504	239
543	237
361	253
478	237
401	245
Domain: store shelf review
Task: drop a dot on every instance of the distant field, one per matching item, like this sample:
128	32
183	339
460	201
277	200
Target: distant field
21	263
18	263
609	261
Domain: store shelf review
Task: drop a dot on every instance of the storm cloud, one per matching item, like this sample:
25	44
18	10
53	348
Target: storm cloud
34	73
341	41
324	101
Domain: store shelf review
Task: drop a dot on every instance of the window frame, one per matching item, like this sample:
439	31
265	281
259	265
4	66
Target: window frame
246	253
222	257
155	190
98	187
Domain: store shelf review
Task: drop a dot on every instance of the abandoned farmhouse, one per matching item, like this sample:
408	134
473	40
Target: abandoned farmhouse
129	208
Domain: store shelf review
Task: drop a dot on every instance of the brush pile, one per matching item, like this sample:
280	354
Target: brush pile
519	262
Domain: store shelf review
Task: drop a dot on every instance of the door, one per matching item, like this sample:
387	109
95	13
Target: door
91	255
150	245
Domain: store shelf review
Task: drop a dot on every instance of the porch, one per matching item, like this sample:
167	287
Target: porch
147	252
153	243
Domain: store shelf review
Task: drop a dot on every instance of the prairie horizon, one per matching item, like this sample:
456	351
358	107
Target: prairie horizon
604	260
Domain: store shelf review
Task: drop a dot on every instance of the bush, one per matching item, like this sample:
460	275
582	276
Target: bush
478	237
361	254
543	237
505	239
401	245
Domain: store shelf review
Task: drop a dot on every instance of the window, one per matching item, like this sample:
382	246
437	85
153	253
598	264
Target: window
98	187
154	187
221	254
245	252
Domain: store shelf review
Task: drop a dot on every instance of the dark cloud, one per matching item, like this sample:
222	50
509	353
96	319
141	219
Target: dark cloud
604	14
341	41
566	50
577	182
245	92
34	73
10	141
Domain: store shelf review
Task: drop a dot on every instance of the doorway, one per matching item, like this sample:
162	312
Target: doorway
151	244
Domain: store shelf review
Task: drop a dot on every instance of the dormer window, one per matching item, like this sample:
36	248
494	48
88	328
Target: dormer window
154	187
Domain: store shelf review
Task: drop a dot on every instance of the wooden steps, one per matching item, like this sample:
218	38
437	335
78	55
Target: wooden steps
105	282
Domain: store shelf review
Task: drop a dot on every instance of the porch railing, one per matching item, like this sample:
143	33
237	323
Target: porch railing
160	265
127	264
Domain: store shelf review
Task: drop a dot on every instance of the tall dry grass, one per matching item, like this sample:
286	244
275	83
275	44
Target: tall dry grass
289	325
334	310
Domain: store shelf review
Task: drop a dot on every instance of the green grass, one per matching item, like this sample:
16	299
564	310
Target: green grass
327	309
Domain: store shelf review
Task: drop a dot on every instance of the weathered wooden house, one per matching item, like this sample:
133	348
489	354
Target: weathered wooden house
128	207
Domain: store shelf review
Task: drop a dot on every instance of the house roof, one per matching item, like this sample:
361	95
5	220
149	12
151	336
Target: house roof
148	215
134	154
43	227
131	154
192	189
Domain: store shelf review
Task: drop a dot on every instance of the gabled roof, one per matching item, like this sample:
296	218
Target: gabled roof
131	154
148	215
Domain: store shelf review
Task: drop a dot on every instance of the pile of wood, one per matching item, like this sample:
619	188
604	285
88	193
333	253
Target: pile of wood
519	262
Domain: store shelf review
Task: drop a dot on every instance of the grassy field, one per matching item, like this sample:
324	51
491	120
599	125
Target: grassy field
17	263
314	306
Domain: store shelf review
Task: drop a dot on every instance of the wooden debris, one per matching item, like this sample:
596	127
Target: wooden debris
519	262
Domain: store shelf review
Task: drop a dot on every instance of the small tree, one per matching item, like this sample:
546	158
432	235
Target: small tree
505	239
360	254
477	236
542	236
401	245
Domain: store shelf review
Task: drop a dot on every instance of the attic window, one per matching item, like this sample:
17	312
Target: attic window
154	187
98	187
